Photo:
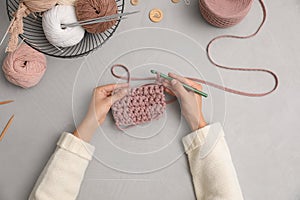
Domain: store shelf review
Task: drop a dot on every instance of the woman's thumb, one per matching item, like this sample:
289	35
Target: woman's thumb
118	95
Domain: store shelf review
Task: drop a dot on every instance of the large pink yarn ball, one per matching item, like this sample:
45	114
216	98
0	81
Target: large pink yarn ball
224	13
24	67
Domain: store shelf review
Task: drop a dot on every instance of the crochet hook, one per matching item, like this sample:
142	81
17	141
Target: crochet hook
184	85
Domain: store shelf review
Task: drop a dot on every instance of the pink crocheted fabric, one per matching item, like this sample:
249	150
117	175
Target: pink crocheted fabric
141	105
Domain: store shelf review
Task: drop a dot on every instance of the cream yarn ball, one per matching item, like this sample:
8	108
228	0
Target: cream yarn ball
56	35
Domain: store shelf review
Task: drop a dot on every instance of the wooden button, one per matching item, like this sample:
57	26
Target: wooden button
175	1
156	15
134	2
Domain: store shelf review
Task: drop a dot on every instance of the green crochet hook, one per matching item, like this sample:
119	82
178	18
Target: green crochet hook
184	85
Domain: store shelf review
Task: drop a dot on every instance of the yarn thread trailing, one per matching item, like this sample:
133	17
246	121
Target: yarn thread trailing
24	67
208	53
55	34
141	105
25	8
91	9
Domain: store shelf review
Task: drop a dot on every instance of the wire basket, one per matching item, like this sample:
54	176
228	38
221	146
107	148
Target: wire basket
34	35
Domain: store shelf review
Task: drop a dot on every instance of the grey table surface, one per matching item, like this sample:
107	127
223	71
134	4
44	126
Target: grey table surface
147	162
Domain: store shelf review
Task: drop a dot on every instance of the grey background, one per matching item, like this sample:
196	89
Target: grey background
261	132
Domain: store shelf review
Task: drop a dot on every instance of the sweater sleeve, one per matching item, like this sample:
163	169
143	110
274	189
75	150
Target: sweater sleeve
64	172
213	173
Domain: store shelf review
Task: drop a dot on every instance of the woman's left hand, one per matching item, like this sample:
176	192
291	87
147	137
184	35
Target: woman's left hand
103	98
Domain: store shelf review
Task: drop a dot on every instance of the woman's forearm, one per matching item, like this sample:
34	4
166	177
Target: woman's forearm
64	172
86	129
211	166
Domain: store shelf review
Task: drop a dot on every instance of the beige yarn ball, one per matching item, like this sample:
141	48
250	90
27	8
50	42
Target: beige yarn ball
66	2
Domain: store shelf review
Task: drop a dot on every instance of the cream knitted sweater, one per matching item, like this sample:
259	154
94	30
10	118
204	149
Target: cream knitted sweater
209	158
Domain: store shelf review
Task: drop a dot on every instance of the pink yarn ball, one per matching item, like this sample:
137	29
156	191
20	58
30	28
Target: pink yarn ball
24	67
224	13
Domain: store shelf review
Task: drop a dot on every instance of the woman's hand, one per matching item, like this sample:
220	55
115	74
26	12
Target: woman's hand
103	98
191	103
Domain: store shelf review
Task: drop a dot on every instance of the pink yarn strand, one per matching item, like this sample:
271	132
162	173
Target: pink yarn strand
240	69
128	77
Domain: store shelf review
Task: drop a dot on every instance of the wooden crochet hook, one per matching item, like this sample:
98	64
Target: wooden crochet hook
9	121
6	102
184	85
6	127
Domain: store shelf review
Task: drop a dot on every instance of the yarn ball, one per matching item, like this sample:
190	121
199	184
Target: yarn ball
56	35
224	13
66	2
90	9
24	67
39	5
25	8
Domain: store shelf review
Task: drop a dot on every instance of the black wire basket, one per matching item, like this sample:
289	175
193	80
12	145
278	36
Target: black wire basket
34	35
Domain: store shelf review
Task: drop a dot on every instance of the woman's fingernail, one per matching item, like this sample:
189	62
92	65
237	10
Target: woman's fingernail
173	82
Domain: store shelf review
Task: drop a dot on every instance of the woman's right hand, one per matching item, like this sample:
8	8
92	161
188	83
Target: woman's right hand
191	103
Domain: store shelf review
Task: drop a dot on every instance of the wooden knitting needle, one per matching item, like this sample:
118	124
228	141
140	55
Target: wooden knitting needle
6	102
6	127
